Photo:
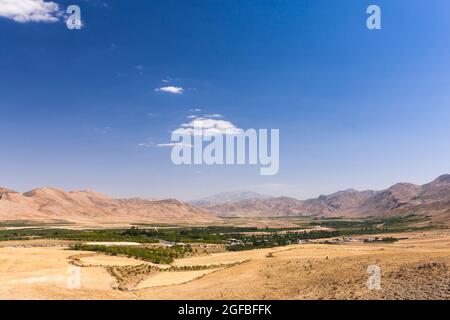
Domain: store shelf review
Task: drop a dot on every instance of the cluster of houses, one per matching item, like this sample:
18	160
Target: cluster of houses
169	244
235	242
351	239
238	242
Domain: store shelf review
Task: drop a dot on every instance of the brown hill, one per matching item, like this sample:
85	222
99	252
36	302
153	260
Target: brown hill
4	190
403	198
89	206
390	199
280	206
327	205
437	190
341	201
432	199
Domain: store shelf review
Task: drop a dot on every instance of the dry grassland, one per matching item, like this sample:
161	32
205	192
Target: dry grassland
414	268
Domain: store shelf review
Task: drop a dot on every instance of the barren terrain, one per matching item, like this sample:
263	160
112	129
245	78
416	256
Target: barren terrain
412	268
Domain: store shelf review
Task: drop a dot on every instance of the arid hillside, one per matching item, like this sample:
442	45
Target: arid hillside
403	198
50	204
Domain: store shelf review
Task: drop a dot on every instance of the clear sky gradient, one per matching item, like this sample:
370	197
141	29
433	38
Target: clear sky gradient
355	108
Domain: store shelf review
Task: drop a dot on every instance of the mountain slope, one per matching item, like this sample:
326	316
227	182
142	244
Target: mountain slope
391	199
437	190
284	206
89	206
403	198
4	190
225	197
280	206
341	201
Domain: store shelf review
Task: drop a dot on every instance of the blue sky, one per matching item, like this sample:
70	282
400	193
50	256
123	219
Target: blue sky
355	108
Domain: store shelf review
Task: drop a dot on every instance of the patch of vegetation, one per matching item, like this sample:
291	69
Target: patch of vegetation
30	223
385	240
213	234
75	235
155	255
236	238
341	228
276	239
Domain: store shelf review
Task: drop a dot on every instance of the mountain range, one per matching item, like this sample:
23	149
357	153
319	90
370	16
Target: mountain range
403	198
49	204
225	197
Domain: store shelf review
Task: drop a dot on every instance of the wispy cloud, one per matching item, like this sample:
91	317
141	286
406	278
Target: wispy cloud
175	144
148	144
112	47
98	3
30	10
278	189
139	68
271	186
103	130
171	89
215	115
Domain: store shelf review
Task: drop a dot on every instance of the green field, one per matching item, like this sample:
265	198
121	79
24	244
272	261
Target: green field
221	234
234	238
155	255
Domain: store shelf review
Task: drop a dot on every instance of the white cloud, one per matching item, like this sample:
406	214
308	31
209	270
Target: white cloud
215	115
146	144
30	10
208	127
203	127
175	144
171	89
151	144
192	116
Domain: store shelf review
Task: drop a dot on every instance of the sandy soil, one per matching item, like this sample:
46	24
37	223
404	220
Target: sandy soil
414	268
116	244
226	257
171	278
43	273
39	243
94	259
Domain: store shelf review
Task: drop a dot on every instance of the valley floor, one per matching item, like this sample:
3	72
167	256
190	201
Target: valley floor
414	268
